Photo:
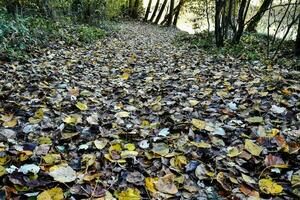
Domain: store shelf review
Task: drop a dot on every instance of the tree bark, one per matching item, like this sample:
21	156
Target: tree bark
148	10
135	9
155	10
241	20
218	28
297	45
170	18
257	17
161	11
177	11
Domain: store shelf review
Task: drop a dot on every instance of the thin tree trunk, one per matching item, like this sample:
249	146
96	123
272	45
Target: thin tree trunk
177	12
168	15
257	17
207	15
161	11
280	22
170	18
148	10
155	10
135	9
297	45
218	29
130	7
241	20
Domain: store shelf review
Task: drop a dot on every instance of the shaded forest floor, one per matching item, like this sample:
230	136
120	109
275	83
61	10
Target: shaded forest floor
134	116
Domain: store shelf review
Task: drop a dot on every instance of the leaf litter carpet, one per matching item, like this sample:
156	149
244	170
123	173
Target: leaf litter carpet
134	116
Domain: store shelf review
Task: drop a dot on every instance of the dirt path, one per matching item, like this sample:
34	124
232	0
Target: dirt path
134	106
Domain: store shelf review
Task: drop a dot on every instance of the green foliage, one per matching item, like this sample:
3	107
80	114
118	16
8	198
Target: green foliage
88	33
251	48
20	35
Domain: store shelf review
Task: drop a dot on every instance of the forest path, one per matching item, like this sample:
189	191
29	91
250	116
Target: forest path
157	109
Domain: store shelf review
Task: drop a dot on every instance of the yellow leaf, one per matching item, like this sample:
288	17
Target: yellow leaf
51	194
81	106
44	140
125	76
107	156
70	120
233	152
130	194
199	124
2	170
4	160
89	159
201	144
269	187
145	123
11	123
254	149
51	158
38	116
130	147
149	182
115	147
24	155
178	162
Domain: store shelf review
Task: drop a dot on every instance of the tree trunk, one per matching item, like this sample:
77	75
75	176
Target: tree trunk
135	9
130	7
218	29
177	12
148	10
161	11
170	19
297	45
241	21
257	17
155	11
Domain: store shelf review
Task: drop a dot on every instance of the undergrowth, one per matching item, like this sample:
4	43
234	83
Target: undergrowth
253	47
20	35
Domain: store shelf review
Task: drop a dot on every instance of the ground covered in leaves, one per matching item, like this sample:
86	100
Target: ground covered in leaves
134	116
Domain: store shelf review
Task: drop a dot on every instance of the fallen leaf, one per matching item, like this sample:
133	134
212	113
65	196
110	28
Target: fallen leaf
253	148
149	182
201	144
62	173
269	187
81	106
130	194
51	194
248	179
199	124
166	184
275	161
100	144
32	168
255	120
248	191
122	114
160	149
